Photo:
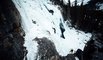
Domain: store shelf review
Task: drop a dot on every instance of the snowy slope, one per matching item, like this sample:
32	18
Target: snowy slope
44	26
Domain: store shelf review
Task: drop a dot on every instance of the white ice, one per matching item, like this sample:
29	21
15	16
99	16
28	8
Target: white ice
34	10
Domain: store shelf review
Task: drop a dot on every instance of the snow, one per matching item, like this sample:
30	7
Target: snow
34	10
85	1
80	1
101	7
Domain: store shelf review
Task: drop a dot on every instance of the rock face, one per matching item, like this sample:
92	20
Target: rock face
11	33
94	48
47	51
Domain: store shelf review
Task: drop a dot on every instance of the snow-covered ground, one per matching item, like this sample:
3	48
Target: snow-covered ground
37	21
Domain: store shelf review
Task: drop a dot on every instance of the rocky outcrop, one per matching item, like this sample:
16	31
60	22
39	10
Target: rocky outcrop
94	48
11	33
47	51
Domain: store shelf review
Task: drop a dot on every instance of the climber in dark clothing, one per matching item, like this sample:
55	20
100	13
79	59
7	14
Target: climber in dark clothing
62	30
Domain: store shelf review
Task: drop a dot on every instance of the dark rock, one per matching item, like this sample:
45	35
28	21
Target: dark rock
47	51
94	49
11	39
79	54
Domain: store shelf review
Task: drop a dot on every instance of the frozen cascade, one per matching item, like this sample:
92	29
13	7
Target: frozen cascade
38	22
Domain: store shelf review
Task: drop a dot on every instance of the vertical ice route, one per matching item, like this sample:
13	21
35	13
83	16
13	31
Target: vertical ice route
34	10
